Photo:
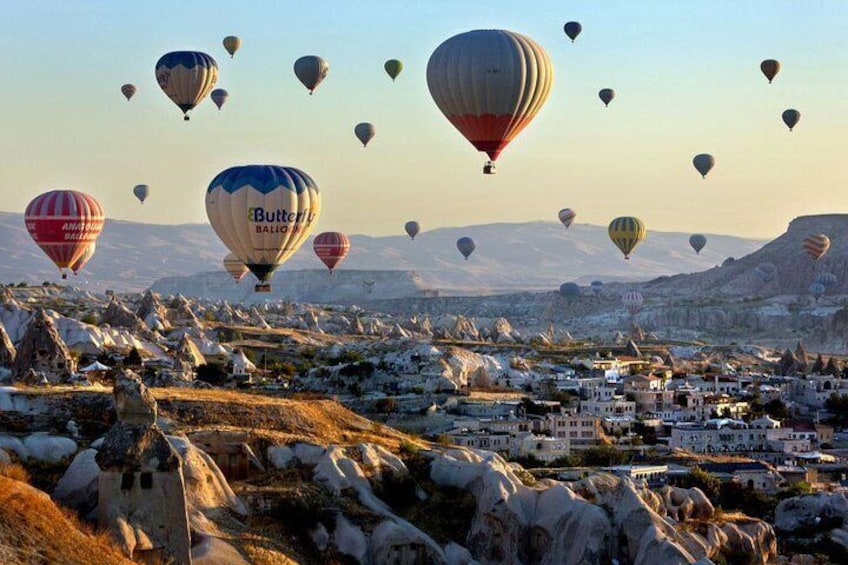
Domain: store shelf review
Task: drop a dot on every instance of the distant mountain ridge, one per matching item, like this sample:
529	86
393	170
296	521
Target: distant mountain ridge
509	257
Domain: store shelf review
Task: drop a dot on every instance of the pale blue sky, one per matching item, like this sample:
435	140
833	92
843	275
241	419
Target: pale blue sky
686	76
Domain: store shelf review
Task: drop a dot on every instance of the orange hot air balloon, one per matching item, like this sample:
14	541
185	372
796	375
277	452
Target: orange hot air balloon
331	248
64	223
490	84
816	245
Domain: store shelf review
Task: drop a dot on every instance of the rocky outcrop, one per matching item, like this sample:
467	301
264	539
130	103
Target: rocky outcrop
43	352
599	519
119	316
153	312
7	349
812	513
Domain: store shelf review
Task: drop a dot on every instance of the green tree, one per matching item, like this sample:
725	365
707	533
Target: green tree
212	373
838	405
706	481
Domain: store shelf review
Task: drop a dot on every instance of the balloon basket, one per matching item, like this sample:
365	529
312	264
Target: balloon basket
262	287
489	169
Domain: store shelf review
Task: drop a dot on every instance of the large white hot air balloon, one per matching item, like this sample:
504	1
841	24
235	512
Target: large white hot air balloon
490	84
263	214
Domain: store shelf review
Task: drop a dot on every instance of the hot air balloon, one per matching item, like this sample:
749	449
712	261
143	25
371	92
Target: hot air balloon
766	272
827	279
489	84
186	77
393	68
597	286
632	300
703	162
219	97
570	291
364	132
626	233
566	216
84	259
331	248
606	95
412	228
263	214
697	241
141	191
368	285
791	118
816	245
235	267
817	289
770	68
64	223
129	91
466	246
232	44
572	30
311	70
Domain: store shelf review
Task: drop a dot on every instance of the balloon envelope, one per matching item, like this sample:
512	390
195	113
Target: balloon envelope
364	132
128	90
235	267
84	258
597	286
232	44
331	248
311	70
697	241
412	228
626	233
263	214
606	95
466	246
393	68
489	84
816	245
827	279
704	163
566	216
219	97
791	117
186	77
572	30
64	223
770	68
817	289
632	300
570	291
141	191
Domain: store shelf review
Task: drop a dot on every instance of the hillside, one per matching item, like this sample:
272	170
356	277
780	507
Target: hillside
34	530
521	256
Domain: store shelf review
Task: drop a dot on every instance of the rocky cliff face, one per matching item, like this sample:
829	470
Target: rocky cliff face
7	349
43	353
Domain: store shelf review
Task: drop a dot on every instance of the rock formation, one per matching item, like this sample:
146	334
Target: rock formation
7	349
141	490
43	352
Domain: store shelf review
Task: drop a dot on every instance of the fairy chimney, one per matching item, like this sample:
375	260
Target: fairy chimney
43	351
7	349
141	488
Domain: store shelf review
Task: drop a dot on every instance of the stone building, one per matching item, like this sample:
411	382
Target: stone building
141	489
43	353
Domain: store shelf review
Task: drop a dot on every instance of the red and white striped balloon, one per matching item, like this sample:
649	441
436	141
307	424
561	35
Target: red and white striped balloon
331	248
816	245
64	223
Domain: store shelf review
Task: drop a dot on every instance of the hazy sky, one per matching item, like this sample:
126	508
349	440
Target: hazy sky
686	76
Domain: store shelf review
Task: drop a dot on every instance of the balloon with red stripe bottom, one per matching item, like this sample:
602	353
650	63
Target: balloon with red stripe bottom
490	84
331	248
64	224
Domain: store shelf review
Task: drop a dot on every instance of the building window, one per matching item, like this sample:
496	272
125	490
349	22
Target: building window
127	481
147	481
